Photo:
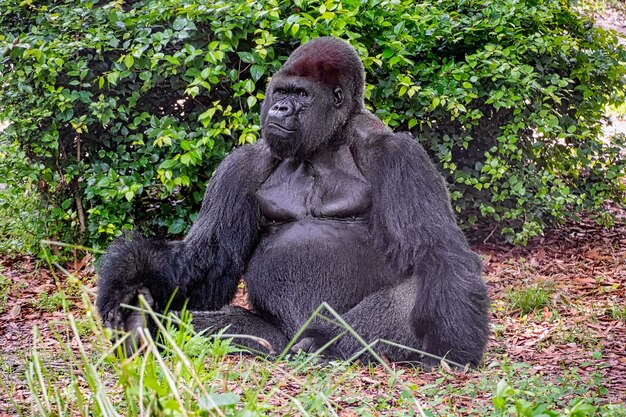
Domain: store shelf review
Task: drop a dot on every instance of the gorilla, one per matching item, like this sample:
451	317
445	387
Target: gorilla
329	205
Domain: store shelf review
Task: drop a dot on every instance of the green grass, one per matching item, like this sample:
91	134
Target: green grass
5	290
617	312
530	299
182	373
50	302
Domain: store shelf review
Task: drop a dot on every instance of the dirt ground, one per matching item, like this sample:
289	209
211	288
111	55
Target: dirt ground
582	265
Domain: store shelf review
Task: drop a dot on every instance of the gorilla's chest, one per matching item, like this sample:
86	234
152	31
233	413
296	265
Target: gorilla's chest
328	186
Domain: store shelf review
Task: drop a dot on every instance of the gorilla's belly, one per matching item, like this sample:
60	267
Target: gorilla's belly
299	265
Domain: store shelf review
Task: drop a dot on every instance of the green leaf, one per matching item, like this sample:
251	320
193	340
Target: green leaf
112	77
246	57
256	71
294	29
172	60
388	53
180	23
218	401
168	164
129	61
249	86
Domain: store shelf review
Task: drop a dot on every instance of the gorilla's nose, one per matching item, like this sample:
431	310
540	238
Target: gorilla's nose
282	109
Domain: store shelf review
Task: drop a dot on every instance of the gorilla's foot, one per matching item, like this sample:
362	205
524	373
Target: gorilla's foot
313	340
246	327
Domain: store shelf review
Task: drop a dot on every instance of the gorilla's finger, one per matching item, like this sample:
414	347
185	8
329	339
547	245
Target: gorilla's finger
135	324
114	319
134	321
146	295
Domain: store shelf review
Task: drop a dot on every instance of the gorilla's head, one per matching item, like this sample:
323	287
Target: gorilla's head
311	97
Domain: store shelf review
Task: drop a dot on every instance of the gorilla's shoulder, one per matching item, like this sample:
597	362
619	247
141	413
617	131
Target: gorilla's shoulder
364	127
249	163
372	135
377	149
249	156
259	149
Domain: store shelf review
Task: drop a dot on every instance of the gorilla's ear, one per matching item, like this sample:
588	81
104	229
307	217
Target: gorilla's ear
337	97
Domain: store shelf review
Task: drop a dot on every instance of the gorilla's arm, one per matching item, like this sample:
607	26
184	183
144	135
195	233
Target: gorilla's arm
410	210
412	222
205	267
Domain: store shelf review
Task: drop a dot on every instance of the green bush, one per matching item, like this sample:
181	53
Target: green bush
124	109
22	217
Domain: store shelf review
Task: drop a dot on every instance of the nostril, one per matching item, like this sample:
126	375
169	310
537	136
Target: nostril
281	109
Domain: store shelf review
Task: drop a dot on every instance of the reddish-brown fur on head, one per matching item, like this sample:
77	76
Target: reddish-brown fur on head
325	64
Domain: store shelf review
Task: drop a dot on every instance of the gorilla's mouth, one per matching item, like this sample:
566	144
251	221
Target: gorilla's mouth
280	127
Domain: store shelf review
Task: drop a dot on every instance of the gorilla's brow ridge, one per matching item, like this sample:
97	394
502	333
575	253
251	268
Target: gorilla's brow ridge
290	86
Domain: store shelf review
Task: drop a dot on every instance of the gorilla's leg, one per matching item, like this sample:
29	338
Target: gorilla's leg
385	314
388	314
264	336
256	333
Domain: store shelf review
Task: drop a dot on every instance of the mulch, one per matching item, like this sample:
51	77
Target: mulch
582	263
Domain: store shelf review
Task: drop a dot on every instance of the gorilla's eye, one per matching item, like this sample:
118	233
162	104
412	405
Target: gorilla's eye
302	93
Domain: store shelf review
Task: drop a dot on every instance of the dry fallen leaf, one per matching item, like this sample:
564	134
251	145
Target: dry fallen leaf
15	311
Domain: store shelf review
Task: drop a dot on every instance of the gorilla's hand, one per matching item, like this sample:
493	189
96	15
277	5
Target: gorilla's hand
439	349
123	320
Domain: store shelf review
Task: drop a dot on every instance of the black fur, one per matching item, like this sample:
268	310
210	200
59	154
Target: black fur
329	205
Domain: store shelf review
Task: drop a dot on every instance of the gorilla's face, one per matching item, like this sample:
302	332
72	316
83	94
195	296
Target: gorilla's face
300	115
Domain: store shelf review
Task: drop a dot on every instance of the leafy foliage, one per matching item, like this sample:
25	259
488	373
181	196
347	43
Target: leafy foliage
22	221
124	109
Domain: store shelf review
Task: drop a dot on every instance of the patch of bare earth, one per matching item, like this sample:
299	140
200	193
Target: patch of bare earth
611	18
585	266
22	310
